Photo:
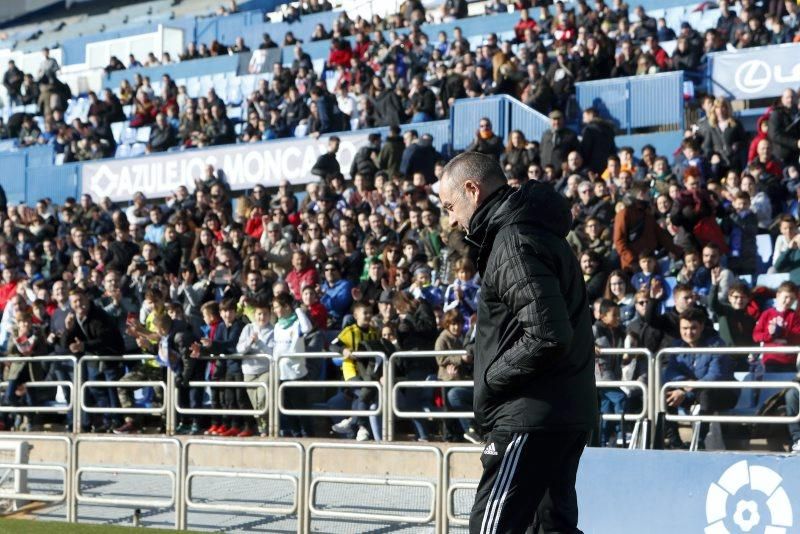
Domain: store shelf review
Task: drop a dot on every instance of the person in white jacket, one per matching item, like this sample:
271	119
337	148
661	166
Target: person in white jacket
257	338
290	327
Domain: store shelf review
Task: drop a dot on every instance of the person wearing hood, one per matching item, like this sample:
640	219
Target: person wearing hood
392	151
636	230
419	156
597	140
535	398
486	142
364	160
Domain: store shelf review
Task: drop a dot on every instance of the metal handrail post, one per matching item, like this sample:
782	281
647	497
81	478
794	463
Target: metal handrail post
390	387
77	375
174	477
743	351
169	401
380	411
447	518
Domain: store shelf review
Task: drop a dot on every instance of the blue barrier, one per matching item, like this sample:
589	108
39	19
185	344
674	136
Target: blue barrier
665	143
56	182
506	114
629	102
674	491
13	176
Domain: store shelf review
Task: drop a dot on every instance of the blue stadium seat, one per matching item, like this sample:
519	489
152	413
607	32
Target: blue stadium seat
772	281
128	135
143	134
116	130
764	248
123	151
137	149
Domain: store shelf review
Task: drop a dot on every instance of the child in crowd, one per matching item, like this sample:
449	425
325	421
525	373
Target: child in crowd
223	343
214	369
290	327
609	334
648	273
464	292
777	326
257	338
354	368
422	288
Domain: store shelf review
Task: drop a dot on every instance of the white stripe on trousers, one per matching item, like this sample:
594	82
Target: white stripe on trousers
517	454
501	483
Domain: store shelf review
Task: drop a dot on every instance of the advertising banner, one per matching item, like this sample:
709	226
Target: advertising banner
664	492
244	165
753	73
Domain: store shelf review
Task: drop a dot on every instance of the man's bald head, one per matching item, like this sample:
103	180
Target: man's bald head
467	180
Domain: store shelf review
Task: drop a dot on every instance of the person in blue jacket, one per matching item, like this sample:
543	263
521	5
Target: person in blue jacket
709	367
336	293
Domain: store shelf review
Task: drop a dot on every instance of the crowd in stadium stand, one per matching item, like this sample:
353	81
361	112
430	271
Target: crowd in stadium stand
365	260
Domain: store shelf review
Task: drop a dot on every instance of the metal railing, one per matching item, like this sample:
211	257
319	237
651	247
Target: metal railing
639	433
661	388
66	494
42	384
297	481
167	387
312	482
175	477
449	489
267	387
393	386
281	386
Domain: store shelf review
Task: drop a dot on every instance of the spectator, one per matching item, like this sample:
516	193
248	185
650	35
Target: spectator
701	368
736	317
783	131
162	136
779	325
456	367
12	81
557	142
609	334
597	140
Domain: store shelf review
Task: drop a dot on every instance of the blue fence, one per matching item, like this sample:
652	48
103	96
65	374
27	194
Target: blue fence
506	114
637	101
29	174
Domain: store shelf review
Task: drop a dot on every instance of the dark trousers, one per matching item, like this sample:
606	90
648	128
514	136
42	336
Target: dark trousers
103	397
235	398
528	481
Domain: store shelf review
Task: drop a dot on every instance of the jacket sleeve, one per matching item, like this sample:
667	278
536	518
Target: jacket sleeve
626	255
532	293
718	369
760	332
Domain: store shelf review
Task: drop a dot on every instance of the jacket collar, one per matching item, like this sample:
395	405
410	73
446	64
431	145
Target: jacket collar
480	223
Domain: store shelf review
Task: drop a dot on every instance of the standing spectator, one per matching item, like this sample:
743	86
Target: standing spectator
486	142
784	130
557	142
597	140
12	81
456	367
391	153
257	338
609	334
736	321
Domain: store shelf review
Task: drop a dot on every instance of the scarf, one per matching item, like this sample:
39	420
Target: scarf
486	134
286	322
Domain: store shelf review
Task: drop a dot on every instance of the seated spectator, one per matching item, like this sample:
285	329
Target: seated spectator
162	135
779	326
456	367
701	280
669	321
463	293
593	274
648	276
708	367
620	291
741	228
336	293
145	110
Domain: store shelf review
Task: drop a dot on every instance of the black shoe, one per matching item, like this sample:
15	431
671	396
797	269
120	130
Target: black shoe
127	428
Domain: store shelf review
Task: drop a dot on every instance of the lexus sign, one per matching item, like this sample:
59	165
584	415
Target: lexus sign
752	73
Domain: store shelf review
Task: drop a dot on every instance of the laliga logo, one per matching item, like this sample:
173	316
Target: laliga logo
761	501
755	75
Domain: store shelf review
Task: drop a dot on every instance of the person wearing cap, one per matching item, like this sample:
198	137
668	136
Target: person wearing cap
336	292
557	142
535	399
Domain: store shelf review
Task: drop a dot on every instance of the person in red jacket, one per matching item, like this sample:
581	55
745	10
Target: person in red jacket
525	22
761	133
659	54
778	326
340	54
764	156
8	288
302	274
